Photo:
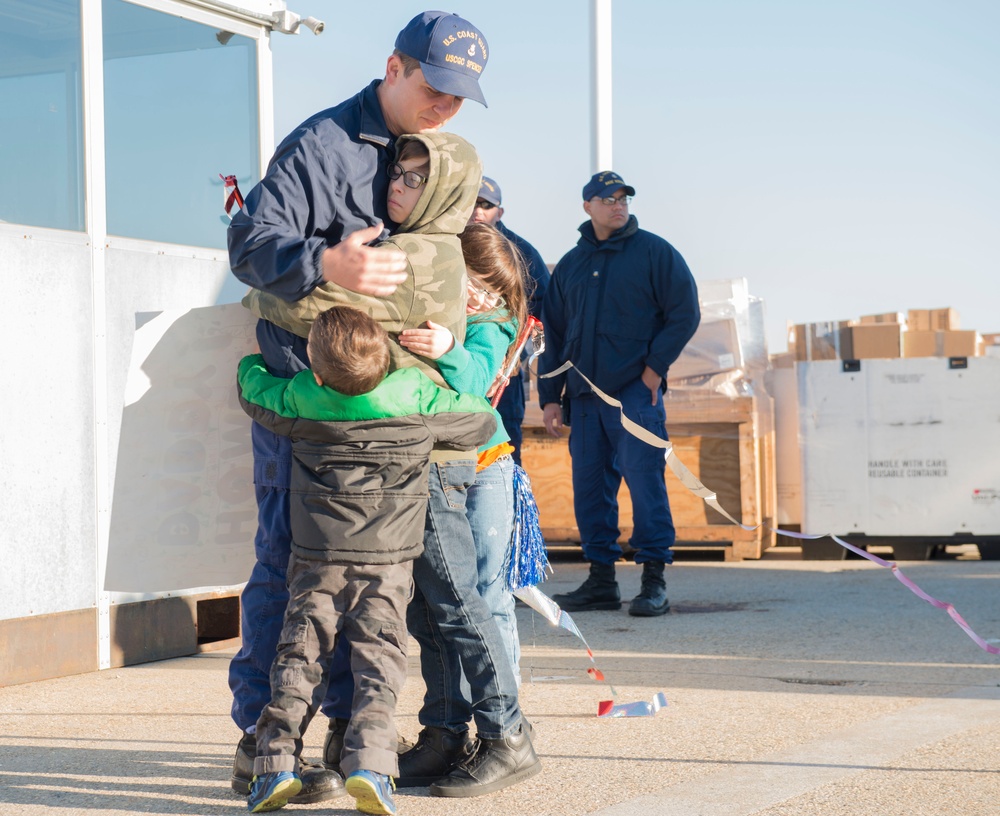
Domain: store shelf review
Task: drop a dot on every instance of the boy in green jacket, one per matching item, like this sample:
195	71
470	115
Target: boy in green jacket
361	444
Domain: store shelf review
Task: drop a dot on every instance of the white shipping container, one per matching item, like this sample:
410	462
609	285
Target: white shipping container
901	447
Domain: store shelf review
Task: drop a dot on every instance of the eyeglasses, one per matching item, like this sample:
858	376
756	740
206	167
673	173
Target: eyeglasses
484	205
411	179
491	300
610	202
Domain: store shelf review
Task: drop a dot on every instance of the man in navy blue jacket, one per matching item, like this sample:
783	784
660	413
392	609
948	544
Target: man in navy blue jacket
309	220
489	211
621	306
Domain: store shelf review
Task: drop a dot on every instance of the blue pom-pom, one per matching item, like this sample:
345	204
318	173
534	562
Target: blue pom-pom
527	559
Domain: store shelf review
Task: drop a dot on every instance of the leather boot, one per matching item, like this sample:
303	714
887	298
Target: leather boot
495	764
318	783
333	744
652	600
599	591
434	755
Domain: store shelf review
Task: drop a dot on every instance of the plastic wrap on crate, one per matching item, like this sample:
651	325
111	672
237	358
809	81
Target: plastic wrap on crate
728	353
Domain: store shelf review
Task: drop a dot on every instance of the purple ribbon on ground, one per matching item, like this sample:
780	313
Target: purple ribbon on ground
691	482
893	567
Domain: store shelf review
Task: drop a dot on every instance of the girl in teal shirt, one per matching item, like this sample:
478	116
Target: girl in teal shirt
496	306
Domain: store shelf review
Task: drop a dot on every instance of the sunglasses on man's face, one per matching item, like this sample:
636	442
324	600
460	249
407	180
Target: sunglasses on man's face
484	205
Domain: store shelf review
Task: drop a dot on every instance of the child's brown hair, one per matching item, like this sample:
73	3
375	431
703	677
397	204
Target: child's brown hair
493	259
416	150
348	351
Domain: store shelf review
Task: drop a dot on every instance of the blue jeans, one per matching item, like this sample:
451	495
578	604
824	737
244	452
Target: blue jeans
602	454
456	630
490	510
265	596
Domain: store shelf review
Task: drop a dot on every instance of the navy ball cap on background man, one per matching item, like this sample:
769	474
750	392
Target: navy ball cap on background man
489	211
621	306
308	221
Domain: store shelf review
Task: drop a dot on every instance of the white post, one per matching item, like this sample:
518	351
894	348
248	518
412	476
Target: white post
600	86
91	21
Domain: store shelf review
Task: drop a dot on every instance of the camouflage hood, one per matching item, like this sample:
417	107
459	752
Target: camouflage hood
449	197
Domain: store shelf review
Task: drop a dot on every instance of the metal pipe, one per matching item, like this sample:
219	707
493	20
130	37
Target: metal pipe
600	86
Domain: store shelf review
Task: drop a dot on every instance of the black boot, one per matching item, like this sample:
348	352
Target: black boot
435	753
333	745
318	783
495	764
652	600
599	591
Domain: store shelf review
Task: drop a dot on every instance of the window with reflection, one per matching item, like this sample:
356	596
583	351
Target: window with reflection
41	117
180	104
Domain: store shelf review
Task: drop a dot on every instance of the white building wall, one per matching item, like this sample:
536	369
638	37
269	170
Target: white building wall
72	301
47	447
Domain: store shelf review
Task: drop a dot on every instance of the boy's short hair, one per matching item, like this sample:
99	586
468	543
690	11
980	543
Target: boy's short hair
416	150
348	350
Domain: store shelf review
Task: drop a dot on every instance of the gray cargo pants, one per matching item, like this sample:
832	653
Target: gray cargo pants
367	605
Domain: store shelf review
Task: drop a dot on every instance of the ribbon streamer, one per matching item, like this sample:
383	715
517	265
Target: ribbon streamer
688	479
231	195
552	612
607	708
555	615
893	567
679	469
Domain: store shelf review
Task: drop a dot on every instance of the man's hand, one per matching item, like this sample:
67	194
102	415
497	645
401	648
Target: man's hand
432	342
552	415
652	381
364	269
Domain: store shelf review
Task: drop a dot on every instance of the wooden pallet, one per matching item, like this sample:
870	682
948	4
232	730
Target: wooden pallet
728	444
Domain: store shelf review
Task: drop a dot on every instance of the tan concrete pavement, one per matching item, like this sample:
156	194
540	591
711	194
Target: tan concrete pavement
794	687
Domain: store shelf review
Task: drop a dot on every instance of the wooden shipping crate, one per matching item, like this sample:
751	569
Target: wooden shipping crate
728	444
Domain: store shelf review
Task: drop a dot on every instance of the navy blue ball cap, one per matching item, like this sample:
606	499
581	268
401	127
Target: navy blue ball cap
605	184
489	190
451	51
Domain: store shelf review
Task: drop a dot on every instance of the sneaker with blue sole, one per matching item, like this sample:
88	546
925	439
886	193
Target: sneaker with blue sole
372	792
272	791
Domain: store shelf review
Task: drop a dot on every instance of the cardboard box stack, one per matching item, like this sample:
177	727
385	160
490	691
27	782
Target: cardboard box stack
918	333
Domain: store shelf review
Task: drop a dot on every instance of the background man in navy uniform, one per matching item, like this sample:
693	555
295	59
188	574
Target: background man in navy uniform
621	306
489	211
309	220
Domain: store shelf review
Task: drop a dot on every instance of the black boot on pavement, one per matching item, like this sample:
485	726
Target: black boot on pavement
652	600
495	764
318	783
436	752
599	591
333	744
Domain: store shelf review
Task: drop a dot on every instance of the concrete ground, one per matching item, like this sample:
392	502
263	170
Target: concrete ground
793	687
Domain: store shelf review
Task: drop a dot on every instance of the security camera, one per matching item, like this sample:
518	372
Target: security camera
288	22
314	25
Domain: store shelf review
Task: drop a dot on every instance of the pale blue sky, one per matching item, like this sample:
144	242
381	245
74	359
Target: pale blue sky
840	156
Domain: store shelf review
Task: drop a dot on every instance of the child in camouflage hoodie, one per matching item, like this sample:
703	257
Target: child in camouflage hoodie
435	287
